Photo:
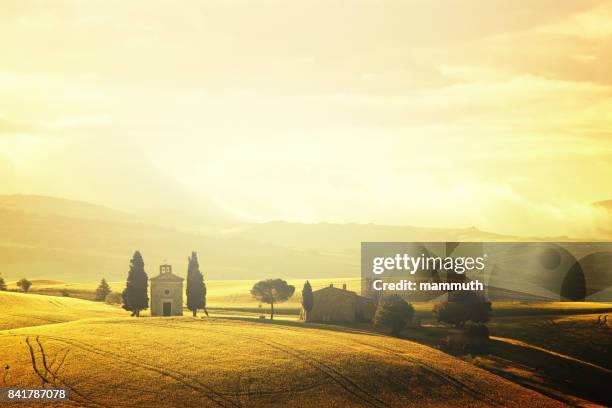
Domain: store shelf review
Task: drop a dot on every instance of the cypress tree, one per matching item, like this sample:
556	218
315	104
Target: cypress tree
103	290
2	283
196	289
135	295
307	298
204	303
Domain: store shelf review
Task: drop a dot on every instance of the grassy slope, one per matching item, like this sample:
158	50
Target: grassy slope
19	310
231	362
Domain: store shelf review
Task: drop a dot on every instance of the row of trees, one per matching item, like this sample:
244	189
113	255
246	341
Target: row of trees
391	311
462	307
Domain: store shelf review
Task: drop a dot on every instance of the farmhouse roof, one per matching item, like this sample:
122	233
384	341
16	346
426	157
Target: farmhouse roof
335	290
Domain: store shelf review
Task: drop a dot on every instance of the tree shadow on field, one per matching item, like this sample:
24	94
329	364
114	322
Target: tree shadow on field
568	376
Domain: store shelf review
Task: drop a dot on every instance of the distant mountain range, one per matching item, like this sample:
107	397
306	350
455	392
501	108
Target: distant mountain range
51	238
44	205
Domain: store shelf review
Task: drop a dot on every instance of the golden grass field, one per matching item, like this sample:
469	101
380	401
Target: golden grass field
235	359
184	362
21	310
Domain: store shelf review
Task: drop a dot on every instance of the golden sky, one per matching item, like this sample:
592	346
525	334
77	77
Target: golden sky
483	113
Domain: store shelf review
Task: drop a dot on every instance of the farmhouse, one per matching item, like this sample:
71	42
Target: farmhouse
333	304
166	293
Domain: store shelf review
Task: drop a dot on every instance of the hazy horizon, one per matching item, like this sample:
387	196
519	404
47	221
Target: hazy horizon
408	114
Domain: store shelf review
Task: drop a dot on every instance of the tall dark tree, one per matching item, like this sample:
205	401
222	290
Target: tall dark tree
272	291
24	284
135	295
307	298
102	291
196	289
204	305
2	284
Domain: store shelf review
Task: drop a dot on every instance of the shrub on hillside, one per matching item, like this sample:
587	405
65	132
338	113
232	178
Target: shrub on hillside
24	284
393	312
462	308
114	298
102	290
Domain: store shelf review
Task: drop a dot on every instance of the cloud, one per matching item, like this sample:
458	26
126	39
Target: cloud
407	113
592	24
79	121
7	175
571	47
13	128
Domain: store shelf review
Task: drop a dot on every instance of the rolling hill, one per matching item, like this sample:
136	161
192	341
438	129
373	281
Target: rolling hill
21	310
152	362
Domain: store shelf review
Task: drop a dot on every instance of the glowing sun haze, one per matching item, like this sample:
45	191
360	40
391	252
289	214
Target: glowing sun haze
451	114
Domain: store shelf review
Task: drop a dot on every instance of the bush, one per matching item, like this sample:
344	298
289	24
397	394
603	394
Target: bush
462	308
102	291
114	298
65	293
452	313
24	284
394	312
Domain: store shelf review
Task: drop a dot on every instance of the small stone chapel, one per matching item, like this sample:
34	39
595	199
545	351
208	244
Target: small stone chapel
166	293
